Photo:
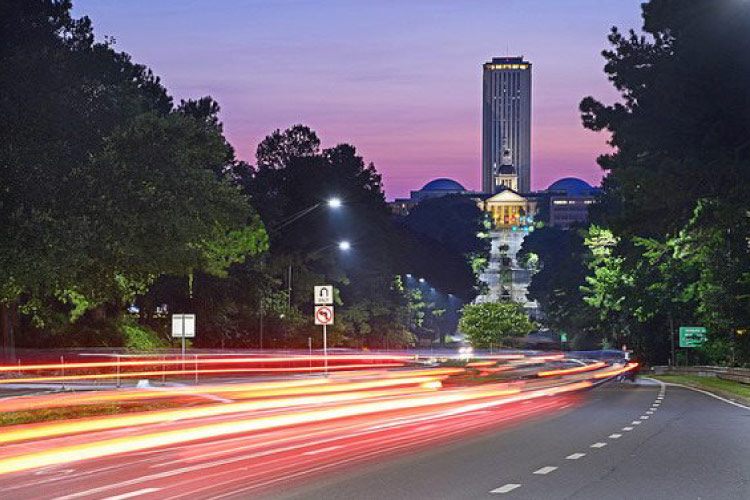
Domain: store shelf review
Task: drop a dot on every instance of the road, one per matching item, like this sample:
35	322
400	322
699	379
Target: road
572	445
616	445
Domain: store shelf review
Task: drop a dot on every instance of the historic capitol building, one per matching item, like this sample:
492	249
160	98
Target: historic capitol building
506	194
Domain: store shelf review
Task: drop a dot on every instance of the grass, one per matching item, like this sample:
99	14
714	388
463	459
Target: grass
722	387
67	413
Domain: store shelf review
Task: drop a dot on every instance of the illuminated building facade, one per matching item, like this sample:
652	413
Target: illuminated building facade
506	120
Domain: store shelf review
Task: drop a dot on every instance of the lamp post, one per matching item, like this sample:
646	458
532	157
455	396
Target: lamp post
333	203
343	245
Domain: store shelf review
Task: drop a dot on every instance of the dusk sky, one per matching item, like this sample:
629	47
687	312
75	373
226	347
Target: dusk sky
400	80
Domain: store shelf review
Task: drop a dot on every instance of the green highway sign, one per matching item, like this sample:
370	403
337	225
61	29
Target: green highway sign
692	336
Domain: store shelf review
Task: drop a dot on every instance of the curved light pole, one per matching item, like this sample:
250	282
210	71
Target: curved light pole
334	203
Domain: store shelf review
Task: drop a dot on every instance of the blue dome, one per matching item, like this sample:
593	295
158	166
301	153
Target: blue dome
572	186
443	185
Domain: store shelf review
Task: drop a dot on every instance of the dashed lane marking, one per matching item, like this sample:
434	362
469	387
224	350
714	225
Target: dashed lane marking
599	445
627	428
506	488
575	456
545	470
636	422
615	436
644	417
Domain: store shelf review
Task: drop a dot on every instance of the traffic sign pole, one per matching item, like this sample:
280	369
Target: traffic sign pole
323	298
183	343
325	351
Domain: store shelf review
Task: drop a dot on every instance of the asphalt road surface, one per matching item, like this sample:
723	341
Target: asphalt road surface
617	441
624	442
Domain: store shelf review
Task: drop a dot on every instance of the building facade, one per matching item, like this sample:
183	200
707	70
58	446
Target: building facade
513	215
506	120
436	188
569	202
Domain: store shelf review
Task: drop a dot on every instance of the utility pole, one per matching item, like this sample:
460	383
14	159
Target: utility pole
261	324
289	286
671	339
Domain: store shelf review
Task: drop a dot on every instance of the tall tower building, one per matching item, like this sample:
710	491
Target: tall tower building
506	120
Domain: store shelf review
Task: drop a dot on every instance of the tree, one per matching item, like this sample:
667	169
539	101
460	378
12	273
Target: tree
452	225
106	185
560	272
675	191
681	131
293	176
493	323
454	221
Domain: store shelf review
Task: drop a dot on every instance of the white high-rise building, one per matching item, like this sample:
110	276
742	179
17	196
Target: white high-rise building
506	120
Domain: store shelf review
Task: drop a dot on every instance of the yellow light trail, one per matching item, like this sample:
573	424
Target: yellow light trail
350	392
155	440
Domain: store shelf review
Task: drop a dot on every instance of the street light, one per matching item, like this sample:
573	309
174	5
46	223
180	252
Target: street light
344	245
334	202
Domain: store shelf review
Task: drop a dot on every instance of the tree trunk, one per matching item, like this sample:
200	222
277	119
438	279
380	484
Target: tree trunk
9	322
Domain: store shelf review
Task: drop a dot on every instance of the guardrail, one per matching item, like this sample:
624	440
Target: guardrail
734	374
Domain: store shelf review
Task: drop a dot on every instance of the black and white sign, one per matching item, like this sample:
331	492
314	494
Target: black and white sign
324	315
323	295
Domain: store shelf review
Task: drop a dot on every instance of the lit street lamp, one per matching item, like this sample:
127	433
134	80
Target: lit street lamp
333	202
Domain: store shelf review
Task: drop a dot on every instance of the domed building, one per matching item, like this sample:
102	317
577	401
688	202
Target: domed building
447	186
572	186
433	189
569	201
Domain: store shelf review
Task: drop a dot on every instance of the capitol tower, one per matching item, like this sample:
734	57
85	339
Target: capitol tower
506	120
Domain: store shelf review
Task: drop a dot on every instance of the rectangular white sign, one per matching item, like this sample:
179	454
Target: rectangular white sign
183	325
323	295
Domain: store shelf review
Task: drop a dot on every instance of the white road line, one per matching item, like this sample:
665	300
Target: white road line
644	417
627	428
615	436
650	412
729	401
506	488
636	422
545	470
599	445
133	494
575	456
323	450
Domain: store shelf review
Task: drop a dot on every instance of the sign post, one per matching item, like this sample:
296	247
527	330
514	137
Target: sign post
323	296
692	336
183	326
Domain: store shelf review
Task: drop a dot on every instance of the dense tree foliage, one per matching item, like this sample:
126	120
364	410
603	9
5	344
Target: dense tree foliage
563	266
106	185
675	196
291	183
494	323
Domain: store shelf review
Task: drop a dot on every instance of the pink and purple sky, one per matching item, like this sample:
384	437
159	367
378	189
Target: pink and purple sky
399	79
